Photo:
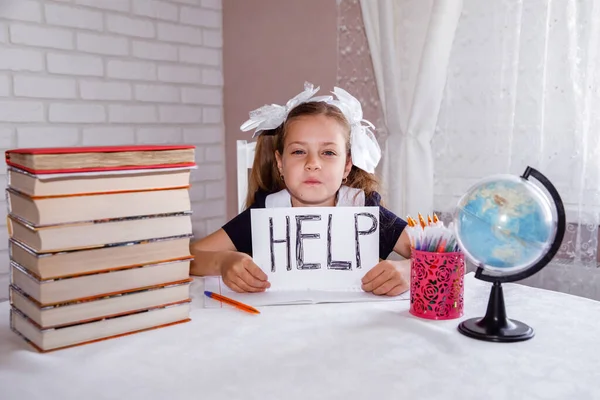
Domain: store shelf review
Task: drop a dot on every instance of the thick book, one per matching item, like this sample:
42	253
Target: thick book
71	335
97	182
55	291
52	210
100	158
273	296
81	235
106	258
98	307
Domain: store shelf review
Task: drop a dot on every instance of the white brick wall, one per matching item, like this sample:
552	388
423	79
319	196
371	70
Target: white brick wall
153	51
102	72
21	10
33	35
16	59
72	17
102	44
130	26
115	5
44	86
101	90
131	70
70	64
3	34
4	85
179	33
156	9
157	93
202	96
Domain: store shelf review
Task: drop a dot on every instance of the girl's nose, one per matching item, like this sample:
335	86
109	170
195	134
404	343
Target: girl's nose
312	164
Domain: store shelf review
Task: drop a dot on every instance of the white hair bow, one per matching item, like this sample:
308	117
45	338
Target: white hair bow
364	148
271	116
363	145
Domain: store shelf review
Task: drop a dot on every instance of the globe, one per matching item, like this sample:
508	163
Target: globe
510	228
505	224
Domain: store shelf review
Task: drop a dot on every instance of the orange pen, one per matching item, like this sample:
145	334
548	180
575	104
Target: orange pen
232	302
422	221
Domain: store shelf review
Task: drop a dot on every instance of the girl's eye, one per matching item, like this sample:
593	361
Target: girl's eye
297	151
329	153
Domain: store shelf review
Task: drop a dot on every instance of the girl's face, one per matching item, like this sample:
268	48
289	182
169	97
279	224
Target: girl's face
314	160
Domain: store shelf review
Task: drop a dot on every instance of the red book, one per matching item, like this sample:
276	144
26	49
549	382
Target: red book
100	158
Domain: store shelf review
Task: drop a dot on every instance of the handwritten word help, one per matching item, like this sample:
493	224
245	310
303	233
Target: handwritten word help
325	240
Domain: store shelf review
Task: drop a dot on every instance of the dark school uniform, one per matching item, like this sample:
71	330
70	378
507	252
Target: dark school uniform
239	229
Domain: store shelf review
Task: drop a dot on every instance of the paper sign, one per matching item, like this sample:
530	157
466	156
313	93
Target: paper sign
320	248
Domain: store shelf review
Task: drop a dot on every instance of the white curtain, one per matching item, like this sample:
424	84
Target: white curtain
523	89
410	43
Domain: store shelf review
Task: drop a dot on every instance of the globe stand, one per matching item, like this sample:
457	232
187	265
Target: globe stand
495	327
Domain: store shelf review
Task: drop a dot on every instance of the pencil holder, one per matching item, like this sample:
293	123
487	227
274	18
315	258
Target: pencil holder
436	284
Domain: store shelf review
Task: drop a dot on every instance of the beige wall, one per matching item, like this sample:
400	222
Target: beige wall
270	47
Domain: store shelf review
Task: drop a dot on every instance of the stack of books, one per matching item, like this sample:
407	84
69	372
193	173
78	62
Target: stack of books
99	241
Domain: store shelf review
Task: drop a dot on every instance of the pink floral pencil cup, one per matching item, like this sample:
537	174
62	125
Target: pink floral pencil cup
436	284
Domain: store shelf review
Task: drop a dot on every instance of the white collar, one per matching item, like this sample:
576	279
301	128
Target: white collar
347	197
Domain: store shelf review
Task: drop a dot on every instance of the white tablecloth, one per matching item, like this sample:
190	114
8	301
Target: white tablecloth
327	351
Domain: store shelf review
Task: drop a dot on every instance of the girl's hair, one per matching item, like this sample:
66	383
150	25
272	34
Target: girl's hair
265	175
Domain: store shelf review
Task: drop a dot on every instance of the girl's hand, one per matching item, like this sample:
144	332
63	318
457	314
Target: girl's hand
241	274
389	278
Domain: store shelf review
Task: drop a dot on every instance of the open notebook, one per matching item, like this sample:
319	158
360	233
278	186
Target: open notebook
274	297
311	255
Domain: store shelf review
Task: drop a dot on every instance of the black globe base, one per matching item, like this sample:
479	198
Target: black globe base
514	331
495	327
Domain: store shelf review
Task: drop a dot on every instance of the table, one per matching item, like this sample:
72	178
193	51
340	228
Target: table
327	351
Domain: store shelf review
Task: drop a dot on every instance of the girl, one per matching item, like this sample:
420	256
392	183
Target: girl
314	152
